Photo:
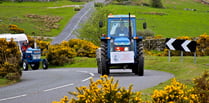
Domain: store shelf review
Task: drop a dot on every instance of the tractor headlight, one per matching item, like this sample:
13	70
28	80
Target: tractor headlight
126	48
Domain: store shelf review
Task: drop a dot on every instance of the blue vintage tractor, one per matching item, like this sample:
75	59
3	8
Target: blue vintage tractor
32	57
121	48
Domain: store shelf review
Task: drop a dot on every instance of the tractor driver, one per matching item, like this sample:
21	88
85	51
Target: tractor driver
122	30
25	46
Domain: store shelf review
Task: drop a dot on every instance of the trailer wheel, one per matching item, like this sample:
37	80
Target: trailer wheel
104	69
45	64
35	65
25	65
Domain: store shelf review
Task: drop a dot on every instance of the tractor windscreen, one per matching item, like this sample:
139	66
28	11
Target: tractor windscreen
119	27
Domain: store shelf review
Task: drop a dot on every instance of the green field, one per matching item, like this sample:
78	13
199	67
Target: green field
15	13
171	21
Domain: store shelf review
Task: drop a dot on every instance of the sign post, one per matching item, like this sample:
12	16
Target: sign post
181	45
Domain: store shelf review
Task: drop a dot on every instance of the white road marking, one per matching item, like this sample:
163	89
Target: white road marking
86	79
92	74
58	87
9	98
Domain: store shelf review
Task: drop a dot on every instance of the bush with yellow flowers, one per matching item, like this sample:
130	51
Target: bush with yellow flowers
43	45
106	90
9	60
201	87
176	92
60	55
103	90
83	48
202	47
14	29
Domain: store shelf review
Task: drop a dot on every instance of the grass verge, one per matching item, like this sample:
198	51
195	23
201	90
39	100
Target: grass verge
5	82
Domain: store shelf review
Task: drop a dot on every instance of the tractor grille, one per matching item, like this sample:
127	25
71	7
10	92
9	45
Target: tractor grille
36	56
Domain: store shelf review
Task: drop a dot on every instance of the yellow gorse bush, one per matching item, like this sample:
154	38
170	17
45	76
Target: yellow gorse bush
83	48
104	90
176	92
203	45
9	60
171	93
59	54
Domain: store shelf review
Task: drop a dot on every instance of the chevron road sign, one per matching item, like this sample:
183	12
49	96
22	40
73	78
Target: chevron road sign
182	45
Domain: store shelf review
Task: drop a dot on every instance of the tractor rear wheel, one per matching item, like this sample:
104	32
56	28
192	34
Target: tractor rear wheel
45	64
25	65
140	60
104	68
35	65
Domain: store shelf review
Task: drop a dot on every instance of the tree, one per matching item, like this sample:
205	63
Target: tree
156	4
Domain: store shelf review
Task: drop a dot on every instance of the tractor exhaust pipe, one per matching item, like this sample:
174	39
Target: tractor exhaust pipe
129	29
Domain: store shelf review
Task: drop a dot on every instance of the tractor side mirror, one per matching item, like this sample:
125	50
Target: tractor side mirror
100	24
144	25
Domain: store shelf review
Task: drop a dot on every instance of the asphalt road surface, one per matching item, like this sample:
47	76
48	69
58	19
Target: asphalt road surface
45	86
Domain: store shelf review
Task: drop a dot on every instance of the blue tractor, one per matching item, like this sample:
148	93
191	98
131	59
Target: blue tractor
32	57
121	48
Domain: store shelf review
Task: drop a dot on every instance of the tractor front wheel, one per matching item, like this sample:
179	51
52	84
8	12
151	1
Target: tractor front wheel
25	65
45	64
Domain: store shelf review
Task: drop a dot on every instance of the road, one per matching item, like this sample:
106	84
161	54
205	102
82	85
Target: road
70	30
45	86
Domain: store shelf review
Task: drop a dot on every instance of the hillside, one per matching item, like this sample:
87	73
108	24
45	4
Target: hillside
177	18
43	18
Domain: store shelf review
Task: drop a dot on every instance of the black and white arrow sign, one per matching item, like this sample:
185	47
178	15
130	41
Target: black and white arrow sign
182	45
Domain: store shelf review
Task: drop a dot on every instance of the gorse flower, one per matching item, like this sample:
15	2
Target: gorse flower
106	90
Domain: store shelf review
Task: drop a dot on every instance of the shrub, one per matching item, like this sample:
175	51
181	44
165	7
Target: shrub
9	60
202	47
201	88
171	93
156	4
98	4
59	54
103	90
43	45
106	90
83	48
14	29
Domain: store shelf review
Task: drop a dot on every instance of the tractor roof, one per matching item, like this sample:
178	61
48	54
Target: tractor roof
120	16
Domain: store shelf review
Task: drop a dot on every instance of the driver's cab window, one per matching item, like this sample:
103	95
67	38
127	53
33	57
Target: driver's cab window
119	28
